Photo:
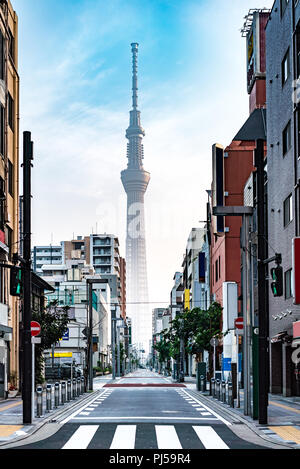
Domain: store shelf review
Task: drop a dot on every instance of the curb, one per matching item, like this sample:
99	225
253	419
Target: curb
239	418
51	417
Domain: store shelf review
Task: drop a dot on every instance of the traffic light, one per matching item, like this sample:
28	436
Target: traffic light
277	284
16	281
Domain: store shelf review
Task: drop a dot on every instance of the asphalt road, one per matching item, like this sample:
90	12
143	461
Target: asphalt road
145	411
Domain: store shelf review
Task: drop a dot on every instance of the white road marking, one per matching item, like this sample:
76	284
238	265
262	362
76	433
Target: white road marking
210	410
82	437
79	410
145	418
209	438
167	437
124	437
205	413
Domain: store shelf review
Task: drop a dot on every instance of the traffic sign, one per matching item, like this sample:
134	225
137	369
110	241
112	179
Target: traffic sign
35	328
214	342
239	323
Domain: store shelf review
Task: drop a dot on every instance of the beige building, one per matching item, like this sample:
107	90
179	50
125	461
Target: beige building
9	193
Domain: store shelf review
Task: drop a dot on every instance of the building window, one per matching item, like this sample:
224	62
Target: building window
217	270
10	178
9	240
2	125
285	67
288	284
283	5
11	107
288	210
286	139
2	62
297	50
11	45
219	267
2	203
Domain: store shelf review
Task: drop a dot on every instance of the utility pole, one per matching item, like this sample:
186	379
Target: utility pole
263	319
27	351
90	337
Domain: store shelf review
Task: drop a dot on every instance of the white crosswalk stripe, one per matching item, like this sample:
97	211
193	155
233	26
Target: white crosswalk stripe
167	437
82	437
209	438
124	437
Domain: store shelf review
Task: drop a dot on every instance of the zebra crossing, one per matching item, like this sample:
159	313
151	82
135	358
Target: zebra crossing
145	436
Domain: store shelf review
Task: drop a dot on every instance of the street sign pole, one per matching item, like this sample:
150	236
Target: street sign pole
239	330
35	330
33	378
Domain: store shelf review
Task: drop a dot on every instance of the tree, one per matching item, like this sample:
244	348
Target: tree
163	347
196	328
53	321
202	326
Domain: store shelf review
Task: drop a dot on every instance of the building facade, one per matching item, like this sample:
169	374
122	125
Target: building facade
9	193
283	126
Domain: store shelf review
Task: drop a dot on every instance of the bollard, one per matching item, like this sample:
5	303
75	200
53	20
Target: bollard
218	389
74	388
213	387
78	387
223	391
230	397
82	385
48	397
69	394
63	392
39	401
56	395
202	383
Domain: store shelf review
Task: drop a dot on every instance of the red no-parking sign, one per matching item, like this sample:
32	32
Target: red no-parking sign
35	328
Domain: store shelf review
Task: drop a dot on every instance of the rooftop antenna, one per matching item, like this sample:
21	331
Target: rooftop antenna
134	49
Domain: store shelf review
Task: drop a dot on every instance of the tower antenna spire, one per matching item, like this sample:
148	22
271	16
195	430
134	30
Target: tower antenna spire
134	49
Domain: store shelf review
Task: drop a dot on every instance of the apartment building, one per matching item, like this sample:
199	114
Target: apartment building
46	255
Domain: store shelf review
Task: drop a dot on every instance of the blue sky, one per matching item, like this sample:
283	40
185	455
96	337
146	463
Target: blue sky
75	71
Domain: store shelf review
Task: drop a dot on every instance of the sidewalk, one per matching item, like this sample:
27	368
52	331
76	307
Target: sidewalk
11	413
283	416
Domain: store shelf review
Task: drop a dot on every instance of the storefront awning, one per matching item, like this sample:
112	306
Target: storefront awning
5	329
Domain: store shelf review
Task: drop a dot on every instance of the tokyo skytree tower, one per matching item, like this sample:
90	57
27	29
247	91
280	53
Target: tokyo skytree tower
135	181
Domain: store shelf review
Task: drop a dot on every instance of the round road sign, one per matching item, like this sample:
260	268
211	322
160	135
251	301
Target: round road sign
239	323
35	328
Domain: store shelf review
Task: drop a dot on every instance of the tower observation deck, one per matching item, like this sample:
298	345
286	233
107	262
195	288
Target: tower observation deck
135	181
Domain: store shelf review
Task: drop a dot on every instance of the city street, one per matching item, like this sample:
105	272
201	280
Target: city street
142	411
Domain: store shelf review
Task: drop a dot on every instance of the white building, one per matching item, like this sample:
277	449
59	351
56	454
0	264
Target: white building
70	285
